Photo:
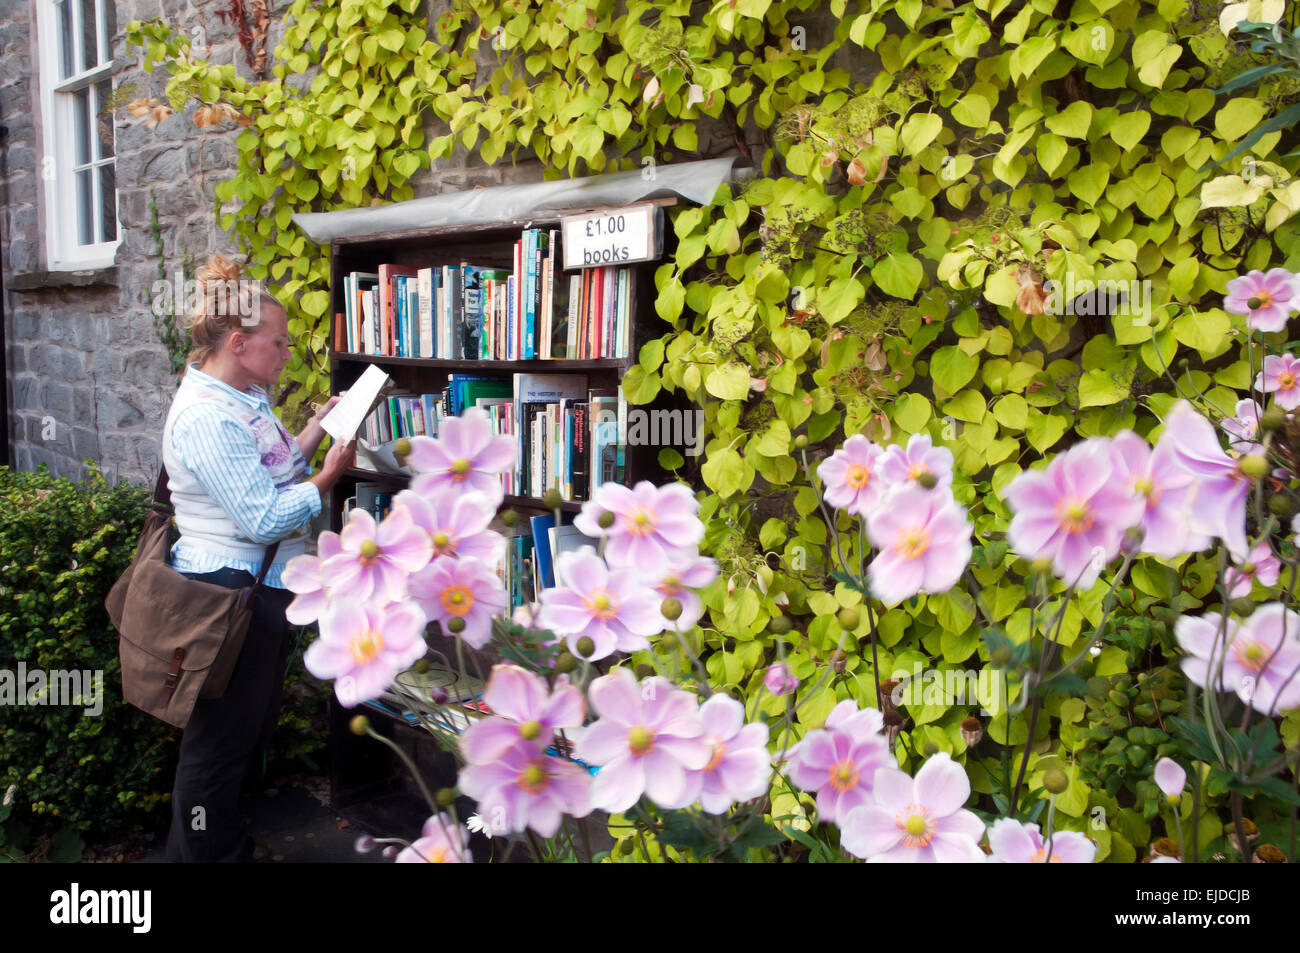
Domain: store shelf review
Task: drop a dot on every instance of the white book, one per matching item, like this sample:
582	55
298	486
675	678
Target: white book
369	331
342	422
424	283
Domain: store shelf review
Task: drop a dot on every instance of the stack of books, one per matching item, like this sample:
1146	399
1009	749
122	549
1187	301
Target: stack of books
532	311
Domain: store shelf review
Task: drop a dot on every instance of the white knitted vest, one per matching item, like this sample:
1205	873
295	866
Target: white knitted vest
203	524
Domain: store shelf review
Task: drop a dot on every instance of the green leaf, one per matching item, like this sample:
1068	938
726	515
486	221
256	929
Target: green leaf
728	381
837	300
722	471
951	368
1101	388
1238	116
1043	430
1128	129
919	131
898	274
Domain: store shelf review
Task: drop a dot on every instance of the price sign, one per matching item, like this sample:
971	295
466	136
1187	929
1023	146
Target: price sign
612	237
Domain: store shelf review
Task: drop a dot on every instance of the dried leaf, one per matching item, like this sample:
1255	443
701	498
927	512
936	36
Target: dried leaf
857	172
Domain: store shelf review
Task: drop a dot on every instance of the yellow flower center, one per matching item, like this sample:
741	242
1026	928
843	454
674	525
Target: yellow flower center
1251	655
437	855
457	599
602	605
1075	515
1040	857
1286	380
913	542
530	730
719	752
857	476
916	825
460	469
916	469
640	741
533	779
642	523
365	646
1265	298
369	552
844	775
441	541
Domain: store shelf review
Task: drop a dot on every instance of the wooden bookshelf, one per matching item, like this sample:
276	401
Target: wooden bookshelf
491	246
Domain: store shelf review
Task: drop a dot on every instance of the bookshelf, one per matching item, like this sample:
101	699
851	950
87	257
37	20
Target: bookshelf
489	245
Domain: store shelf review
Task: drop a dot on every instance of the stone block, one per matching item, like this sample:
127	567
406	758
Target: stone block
85	443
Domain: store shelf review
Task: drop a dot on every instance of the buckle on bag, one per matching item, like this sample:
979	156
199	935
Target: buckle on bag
174	673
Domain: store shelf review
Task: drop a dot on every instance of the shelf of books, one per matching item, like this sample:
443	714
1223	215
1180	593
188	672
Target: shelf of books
491	320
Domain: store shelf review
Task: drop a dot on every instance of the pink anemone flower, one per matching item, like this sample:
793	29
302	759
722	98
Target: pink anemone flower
304	575
654	527
375	560
917	819
441	841
740	768
839	761
924	539
523	710
1074	513
852	478
1167	491
779	679
524	788
649	737
1259	566
1261	660
614	608
1219	506
899	466
1281	377
466	455
1243	429
680	582
464	589
1015	843
363	647
1265	298
457	523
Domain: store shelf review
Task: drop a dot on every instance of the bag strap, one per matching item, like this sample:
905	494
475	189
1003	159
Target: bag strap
162	494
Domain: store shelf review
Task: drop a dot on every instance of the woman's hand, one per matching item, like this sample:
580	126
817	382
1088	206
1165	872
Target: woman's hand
340	457
323	411
314	433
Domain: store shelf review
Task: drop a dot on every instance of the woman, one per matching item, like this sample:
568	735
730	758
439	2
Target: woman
236	480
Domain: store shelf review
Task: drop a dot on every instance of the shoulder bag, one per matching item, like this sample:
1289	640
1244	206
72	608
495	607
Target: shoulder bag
179	638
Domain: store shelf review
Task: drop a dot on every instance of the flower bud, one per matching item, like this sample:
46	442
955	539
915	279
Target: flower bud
801	441
1268	854
671	609
779	680
605	520
445	797
928	480
438	695
839	661
971	731
1055	780
1272	419
509	517
585	646
551	499
668	641
887	689
456	624
402	450
1279	504
1254	466
1242	606
364	844
369	549
893	725
1166	846
421	666
848	618
1255	303
566	663
359	725
390	852
780	625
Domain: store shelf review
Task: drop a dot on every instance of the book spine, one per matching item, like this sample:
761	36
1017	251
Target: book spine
575	301
530	291
547	321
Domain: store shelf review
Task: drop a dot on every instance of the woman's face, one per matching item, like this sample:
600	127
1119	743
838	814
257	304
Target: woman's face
264	349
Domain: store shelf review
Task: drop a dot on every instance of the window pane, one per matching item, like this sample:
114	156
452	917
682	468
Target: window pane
107	203
89	35
104	118
81	125
65	38
108	26
85	208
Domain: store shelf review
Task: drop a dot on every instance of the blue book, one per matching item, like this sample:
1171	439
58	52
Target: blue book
542	526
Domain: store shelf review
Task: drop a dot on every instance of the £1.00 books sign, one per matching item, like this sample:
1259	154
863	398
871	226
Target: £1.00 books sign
612	236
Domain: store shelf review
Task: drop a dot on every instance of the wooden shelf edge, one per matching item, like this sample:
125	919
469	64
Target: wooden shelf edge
557	366
526	502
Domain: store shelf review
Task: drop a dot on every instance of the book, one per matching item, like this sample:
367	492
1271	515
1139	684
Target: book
543	538
386	311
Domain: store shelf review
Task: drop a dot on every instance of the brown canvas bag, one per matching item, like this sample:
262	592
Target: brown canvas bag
179	638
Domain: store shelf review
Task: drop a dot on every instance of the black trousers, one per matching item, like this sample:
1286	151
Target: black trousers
226	734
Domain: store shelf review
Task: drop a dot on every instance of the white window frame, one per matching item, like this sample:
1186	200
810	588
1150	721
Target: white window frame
58	114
